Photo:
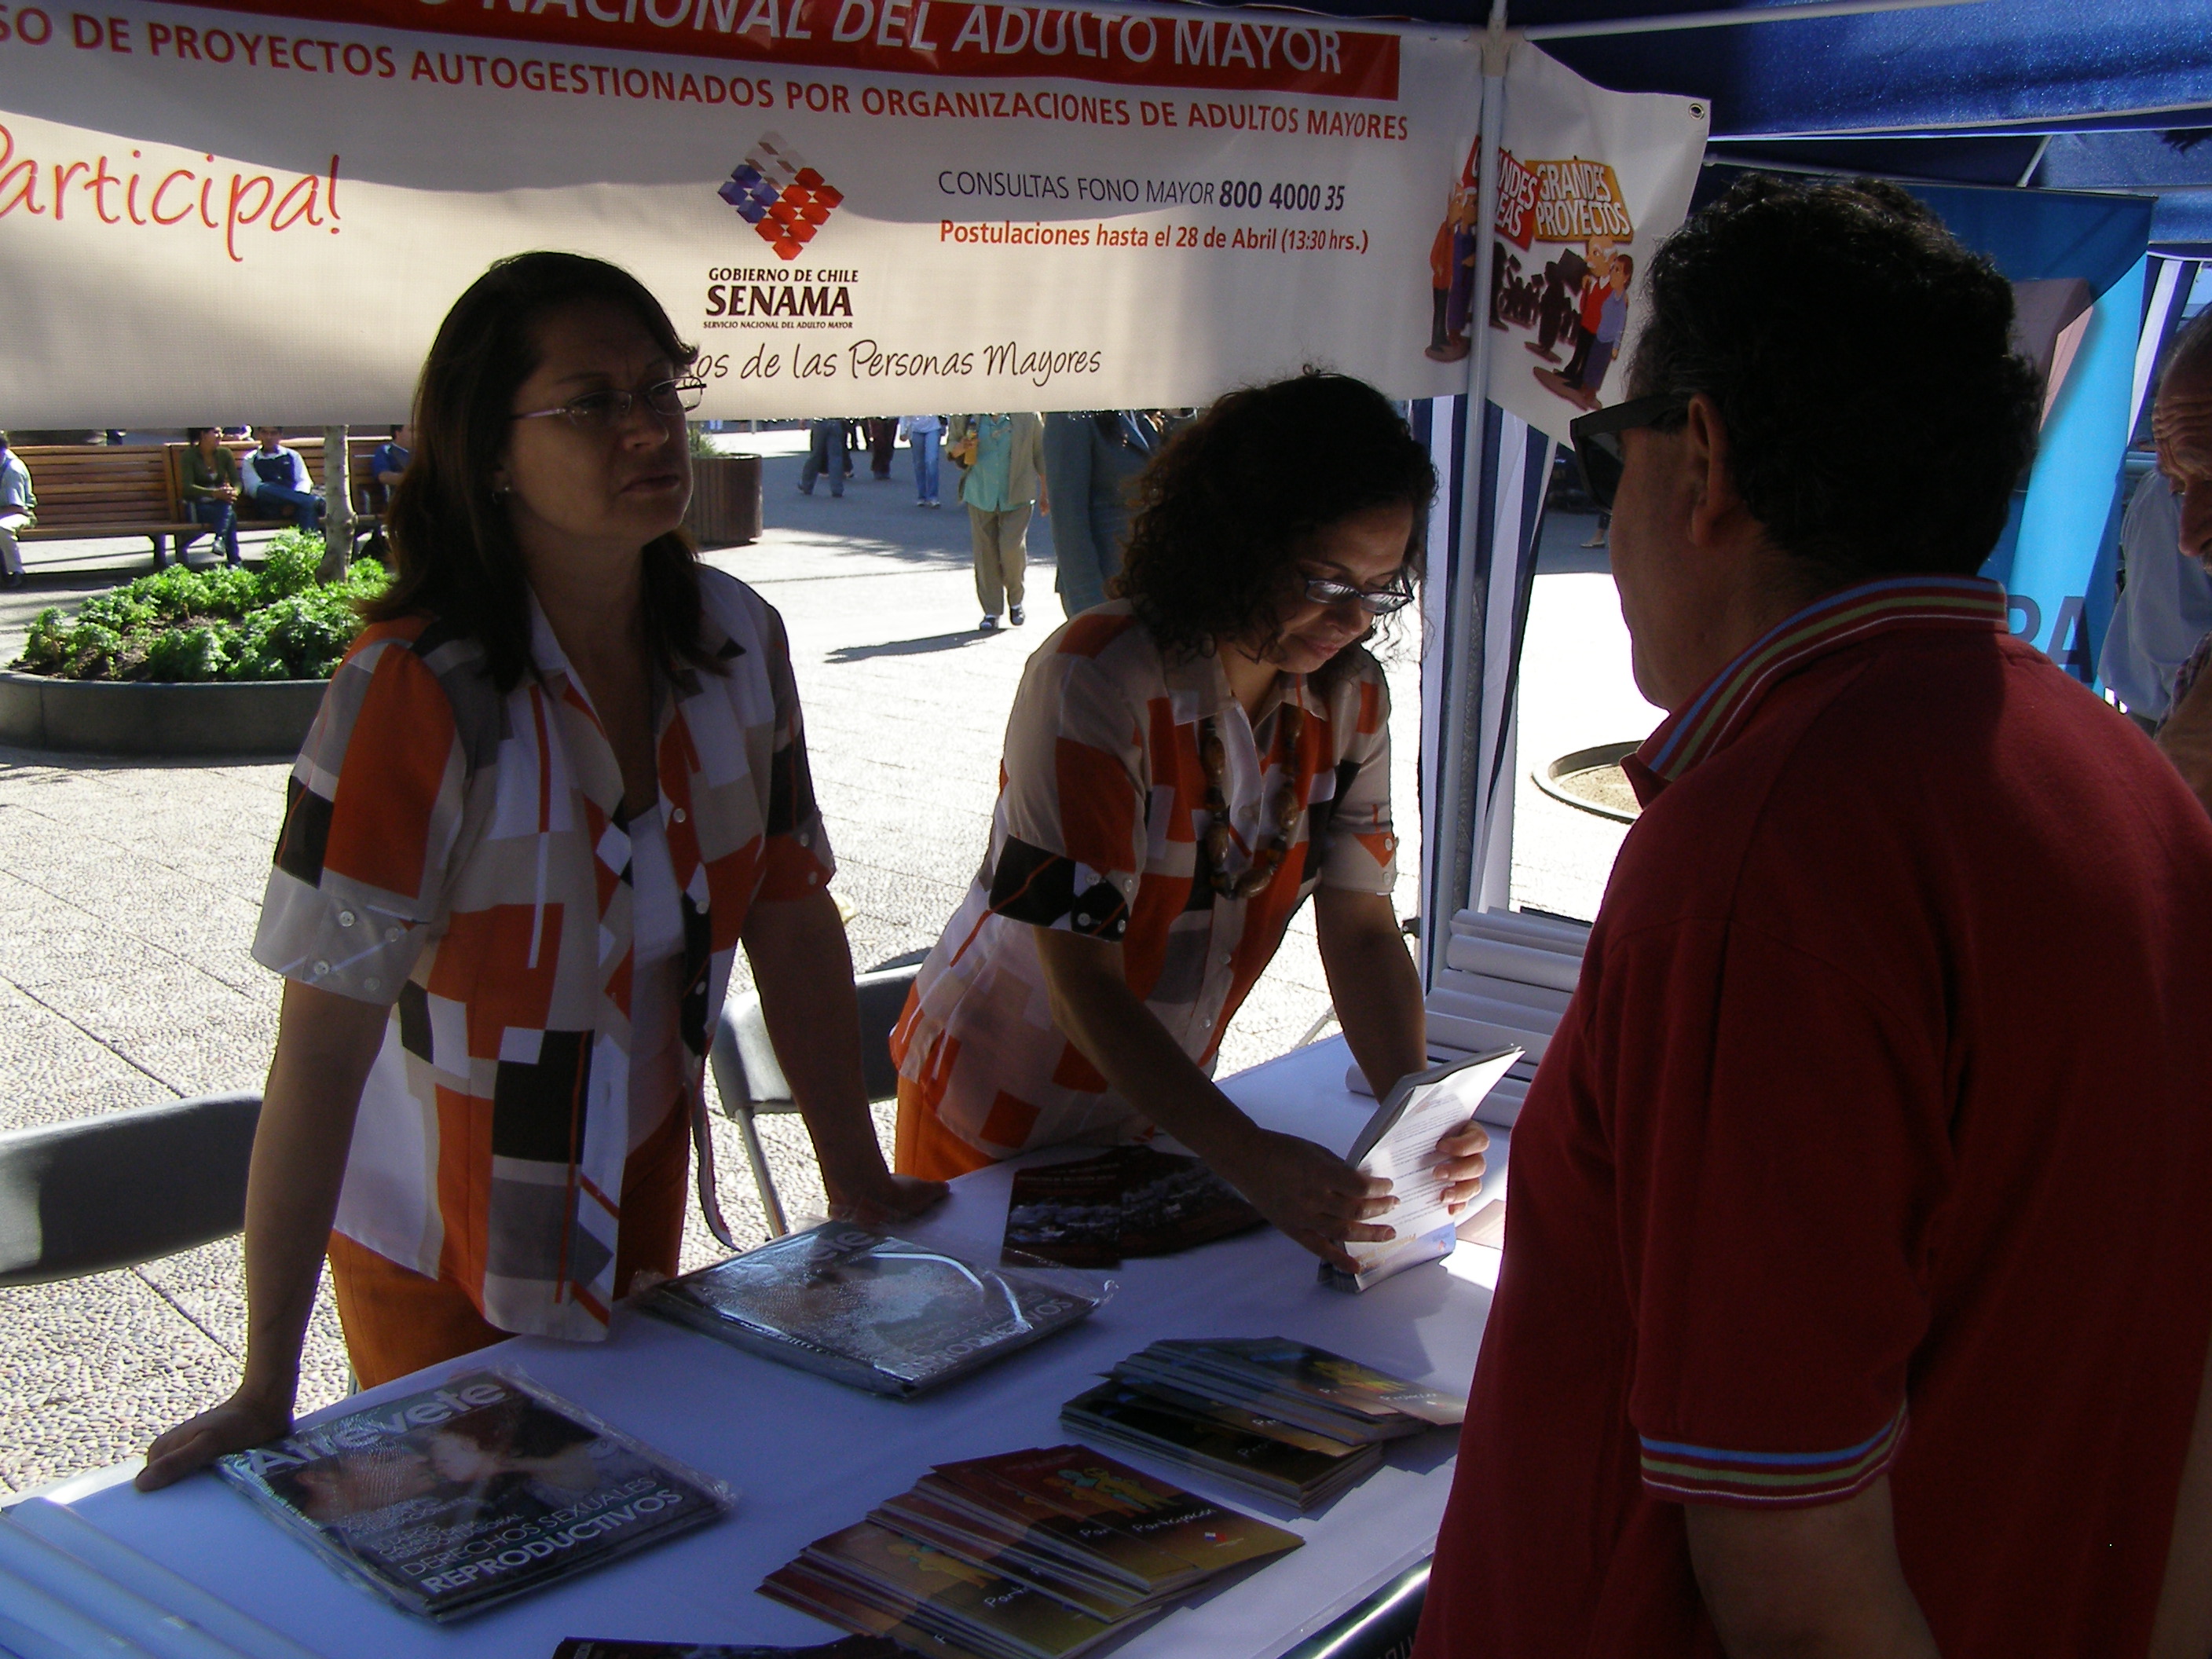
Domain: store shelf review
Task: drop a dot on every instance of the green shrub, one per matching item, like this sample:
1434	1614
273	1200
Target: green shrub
188	653
90	651
276	623
46	646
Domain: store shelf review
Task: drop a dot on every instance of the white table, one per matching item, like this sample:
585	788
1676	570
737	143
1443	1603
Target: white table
808	1455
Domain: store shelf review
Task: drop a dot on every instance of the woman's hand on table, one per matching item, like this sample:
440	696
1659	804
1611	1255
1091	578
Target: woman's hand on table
1313	1196
884	1200
249	1417
1462	1165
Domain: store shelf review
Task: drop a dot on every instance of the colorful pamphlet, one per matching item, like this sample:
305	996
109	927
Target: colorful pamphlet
1297	1373
1281	1420
1129	1202
1264	1467
1039	1554
1399	1144
448	1501
870	1311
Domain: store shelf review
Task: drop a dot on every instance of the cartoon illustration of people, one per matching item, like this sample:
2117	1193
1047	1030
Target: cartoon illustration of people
1451	270
1603	318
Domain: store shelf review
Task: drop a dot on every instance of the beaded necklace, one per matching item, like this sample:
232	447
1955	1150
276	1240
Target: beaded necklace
1290	811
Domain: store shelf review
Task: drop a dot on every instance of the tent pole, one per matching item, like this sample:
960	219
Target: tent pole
1459	747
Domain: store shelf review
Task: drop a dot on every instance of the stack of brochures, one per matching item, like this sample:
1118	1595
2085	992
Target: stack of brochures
870	1311
449	1500
1400	1144
1130	1201
1277	1420
1041	1554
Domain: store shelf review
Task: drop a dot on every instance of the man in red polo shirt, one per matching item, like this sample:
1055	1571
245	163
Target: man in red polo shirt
1858	1278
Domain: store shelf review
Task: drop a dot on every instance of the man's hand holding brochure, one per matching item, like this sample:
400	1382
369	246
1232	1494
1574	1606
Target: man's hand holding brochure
1415	1142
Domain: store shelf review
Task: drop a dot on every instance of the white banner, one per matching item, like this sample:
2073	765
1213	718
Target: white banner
1589	183
854	206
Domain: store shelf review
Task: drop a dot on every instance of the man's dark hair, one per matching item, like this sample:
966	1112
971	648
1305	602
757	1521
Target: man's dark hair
454	551
1227	508
1860	359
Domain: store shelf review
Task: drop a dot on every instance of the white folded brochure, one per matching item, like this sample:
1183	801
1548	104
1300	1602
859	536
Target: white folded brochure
1400	1144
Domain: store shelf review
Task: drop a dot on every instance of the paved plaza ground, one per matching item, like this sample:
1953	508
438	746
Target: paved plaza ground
129	892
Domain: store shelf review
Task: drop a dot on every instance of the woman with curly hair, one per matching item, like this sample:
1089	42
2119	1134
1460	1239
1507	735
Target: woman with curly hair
1183	766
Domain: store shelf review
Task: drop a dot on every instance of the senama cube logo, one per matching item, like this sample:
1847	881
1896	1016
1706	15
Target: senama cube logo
776	193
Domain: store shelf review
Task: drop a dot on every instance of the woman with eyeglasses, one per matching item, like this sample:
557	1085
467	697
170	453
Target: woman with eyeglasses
556	782
1184	766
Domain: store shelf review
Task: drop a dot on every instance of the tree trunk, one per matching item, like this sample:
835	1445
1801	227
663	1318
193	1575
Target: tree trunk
337	501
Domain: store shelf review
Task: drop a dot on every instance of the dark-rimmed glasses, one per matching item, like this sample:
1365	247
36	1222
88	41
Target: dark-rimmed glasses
603	411
1598	444
1375	601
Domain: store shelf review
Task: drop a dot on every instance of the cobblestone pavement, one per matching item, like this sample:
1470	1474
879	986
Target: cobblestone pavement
129	892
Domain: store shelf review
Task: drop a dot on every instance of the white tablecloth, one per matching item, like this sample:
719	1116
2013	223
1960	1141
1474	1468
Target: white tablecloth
808	1455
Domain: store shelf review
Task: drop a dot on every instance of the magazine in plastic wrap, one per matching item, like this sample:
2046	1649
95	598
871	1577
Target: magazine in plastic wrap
448	1501
873	1311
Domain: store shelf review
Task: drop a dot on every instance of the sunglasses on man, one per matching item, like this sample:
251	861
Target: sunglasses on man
1597	439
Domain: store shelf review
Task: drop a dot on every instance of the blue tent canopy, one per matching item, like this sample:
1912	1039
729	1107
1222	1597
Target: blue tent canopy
2047	93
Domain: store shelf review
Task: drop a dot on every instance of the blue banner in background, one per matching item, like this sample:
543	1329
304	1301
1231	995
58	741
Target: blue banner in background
2056	557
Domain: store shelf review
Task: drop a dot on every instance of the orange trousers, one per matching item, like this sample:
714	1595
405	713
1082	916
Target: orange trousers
923	1146
398	1320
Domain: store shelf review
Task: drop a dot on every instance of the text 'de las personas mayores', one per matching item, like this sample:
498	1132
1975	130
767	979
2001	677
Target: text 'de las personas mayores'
869	362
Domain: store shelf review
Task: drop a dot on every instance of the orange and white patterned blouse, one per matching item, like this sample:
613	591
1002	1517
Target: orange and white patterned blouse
1100	829
459	855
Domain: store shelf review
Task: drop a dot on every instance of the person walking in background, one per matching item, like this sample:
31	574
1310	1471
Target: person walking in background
275	476
19	510
882	438
826	452
207	480
1090	462
922	433
2183	422
999	481
2164	605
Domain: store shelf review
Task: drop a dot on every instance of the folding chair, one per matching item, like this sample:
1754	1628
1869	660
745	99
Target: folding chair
114	1191
752	1081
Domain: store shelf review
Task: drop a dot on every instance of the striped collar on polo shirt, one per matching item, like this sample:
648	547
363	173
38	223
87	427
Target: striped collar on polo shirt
1711	718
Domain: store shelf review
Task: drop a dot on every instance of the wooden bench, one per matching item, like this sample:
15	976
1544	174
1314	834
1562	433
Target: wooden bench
87	490
90	490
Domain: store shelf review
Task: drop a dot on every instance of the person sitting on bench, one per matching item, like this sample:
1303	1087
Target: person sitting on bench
19	510
276	478
207	480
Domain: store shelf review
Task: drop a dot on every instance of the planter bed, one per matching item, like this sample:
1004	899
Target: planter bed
157	717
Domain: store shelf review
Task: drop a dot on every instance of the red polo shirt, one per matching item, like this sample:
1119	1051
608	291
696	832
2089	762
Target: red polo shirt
1877	1140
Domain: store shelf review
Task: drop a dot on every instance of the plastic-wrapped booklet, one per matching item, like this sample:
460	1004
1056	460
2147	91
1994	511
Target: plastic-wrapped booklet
873	1311
448	1501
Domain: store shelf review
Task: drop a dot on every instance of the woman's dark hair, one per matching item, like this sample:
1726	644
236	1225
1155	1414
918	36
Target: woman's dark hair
453	551
1227	508
1860	359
